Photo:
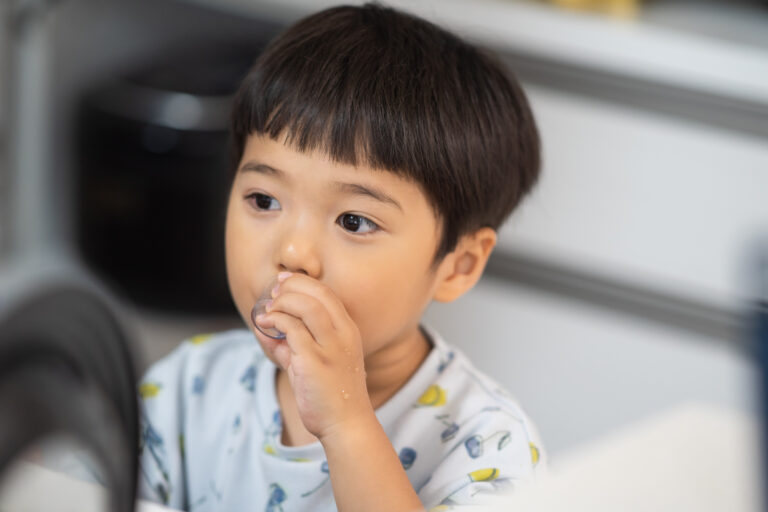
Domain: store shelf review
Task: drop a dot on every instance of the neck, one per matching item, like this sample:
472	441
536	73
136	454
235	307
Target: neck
389	368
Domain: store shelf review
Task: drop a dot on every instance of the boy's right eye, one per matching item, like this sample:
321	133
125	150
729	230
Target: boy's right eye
263	201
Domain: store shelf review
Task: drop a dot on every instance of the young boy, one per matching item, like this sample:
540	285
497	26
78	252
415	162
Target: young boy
376	155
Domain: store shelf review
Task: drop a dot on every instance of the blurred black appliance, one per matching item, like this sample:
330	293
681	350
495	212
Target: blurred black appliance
152	183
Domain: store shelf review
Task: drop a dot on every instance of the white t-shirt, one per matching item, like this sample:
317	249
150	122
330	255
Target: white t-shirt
211	430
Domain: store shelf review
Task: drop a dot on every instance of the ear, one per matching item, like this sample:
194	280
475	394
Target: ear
462	268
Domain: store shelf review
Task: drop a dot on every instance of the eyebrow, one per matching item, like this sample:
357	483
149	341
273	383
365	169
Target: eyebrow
262	168
347	188
362	190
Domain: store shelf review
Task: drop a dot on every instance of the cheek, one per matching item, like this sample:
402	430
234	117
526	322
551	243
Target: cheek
384	305
387	294
237	262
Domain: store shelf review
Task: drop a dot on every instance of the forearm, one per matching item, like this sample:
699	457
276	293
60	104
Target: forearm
366	473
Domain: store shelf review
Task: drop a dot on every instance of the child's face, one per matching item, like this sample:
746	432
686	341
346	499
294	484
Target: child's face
304	213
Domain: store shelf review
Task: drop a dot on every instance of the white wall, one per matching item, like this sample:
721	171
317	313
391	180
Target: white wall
644	197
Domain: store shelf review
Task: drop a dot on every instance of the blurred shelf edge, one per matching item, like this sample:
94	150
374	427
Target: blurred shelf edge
640	48
613	290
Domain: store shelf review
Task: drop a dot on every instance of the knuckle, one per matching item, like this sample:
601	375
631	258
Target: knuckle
324	359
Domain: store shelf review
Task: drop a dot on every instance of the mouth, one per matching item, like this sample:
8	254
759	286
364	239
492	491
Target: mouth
270	332
259	308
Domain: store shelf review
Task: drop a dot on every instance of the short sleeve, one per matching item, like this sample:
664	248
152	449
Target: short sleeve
161	439
484	462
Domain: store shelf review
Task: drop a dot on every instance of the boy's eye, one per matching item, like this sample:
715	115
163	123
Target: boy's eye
263	201
356	223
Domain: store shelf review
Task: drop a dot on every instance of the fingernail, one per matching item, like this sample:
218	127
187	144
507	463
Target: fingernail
260	318
282	276
274	290
267	306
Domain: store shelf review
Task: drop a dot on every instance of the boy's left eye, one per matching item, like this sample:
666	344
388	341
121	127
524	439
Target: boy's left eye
357	223
263	201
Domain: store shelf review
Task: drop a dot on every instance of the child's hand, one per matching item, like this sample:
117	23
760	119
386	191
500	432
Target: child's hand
322	354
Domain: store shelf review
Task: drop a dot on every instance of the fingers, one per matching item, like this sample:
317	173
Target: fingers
298	339
302	284
308	310
313	319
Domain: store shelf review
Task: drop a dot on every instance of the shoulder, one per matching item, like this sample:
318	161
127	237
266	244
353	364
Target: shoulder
186	396
488	407
200	371
203	353
467	391
485	439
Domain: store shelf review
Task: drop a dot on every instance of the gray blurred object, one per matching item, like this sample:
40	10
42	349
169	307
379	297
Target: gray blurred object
5	44
27	132
65	365
66	369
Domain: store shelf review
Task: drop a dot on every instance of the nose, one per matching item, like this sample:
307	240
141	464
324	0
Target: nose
299	250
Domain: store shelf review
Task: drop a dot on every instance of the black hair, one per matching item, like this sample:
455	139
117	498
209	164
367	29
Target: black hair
376	86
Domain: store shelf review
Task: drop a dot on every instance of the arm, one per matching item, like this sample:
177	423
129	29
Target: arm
321	347
376	483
